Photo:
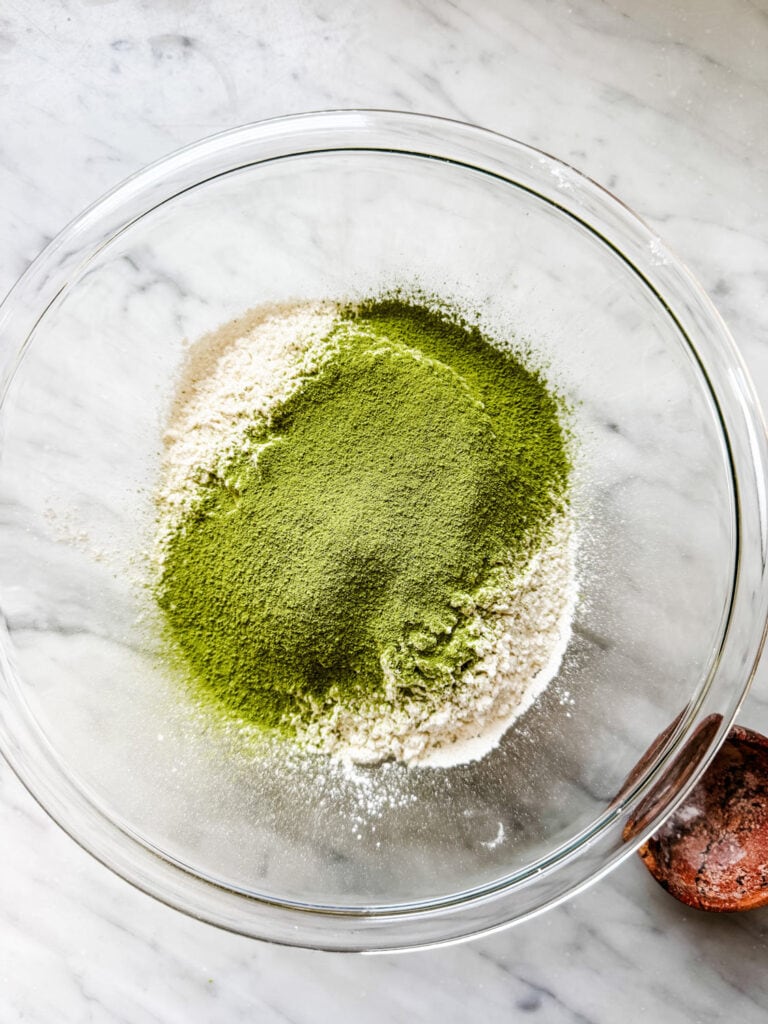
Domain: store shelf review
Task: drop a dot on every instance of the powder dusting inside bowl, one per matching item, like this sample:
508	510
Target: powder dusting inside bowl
364	539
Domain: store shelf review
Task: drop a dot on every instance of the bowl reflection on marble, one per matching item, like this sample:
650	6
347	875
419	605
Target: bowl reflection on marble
669	495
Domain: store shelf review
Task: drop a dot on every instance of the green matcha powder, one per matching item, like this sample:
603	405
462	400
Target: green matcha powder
359	527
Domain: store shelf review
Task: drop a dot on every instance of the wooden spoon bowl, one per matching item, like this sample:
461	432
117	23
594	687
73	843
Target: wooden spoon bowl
712	853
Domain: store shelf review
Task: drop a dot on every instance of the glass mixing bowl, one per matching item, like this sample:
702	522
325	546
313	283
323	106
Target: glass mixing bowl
669	492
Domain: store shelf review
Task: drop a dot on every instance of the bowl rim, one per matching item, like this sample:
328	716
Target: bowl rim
587	856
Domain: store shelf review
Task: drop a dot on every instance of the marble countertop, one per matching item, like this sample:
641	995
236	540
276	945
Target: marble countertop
666	104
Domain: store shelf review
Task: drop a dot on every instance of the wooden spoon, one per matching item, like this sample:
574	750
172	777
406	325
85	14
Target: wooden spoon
712	853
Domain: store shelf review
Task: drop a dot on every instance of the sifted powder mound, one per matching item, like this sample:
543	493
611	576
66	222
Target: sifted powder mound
518	622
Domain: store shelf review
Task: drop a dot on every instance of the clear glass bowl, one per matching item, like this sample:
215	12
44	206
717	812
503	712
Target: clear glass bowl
670	495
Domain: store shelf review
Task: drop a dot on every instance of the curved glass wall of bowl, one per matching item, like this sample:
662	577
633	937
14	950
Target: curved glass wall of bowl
669	493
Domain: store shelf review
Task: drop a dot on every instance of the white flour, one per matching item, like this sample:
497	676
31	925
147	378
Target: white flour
240	371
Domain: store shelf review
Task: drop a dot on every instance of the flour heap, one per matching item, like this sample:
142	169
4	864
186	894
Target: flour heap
364	541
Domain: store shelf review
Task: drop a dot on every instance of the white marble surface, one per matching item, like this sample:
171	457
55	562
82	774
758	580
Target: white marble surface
666	103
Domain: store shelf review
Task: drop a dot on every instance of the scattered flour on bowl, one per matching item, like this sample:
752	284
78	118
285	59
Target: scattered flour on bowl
239	372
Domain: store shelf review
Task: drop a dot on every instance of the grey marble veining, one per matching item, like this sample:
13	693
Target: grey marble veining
666	105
